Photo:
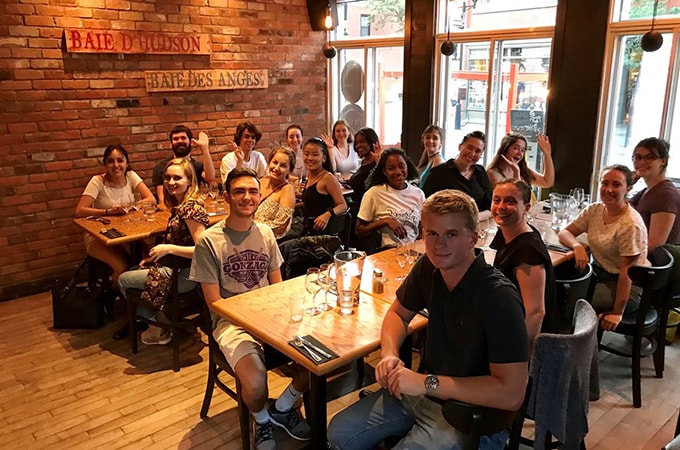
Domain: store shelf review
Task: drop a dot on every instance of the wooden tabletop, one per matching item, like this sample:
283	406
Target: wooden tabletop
387	262
135	226
265	313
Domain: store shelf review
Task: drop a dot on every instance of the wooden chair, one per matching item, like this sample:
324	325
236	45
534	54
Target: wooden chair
217	364
182	309
645	321
572	285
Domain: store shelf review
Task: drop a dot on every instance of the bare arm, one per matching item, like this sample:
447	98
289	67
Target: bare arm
660	226
531	280
143	190
504	388
282	219
567	237
84	208
364	228
208	165
392	335
211	294
609	321
547	178
275	276
333	188
184	251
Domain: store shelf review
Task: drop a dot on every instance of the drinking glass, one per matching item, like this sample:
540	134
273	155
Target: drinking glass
578	194
325	285
296	303
401	255
348	267
312	286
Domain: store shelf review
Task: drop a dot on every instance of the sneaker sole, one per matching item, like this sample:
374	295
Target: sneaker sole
298	438
161	342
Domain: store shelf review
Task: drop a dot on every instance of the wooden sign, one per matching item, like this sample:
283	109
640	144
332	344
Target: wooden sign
205	80
116	41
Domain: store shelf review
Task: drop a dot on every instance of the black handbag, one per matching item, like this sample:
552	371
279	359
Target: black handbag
78	305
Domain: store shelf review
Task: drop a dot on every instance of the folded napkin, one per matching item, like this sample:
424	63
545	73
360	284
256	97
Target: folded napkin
315	343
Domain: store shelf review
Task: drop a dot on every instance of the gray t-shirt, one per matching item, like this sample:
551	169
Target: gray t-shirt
239	261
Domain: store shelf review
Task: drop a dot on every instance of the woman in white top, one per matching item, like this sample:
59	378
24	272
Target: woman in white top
294	135
617	238
108	195
343	157
277	202
391	205
242	151
509	162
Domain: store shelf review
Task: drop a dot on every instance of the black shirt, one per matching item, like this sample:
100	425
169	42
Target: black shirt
480	321
447	176
358	181
529	248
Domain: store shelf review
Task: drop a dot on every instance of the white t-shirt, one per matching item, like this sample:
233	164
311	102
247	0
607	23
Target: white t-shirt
257	163
627	236
346	165
106	197
403	205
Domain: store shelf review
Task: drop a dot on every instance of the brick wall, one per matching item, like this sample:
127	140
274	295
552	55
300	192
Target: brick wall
59	110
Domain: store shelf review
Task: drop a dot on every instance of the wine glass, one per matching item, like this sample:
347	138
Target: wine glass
402	257
312	286
325	285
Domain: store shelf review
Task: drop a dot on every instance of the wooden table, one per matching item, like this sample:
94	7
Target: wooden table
387	262
134	225
264	313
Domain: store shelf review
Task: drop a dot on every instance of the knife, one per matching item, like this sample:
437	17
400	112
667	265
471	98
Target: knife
316	348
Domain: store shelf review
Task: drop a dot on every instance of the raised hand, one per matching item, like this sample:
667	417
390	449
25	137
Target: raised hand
544	144
328	140
514	166
202	140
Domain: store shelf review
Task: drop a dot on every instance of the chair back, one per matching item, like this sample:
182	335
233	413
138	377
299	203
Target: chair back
310	251
572	286
340	226
654	277
565	377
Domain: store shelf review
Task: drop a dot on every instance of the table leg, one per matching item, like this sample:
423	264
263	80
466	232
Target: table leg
318	411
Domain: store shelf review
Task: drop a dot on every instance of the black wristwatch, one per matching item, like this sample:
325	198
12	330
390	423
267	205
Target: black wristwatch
431	384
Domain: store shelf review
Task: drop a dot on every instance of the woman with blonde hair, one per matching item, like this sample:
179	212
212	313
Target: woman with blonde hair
343	158
433	142
187	221
277	195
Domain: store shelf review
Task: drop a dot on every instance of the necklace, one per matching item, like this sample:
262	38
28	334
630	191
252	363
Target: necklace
312	181
462	172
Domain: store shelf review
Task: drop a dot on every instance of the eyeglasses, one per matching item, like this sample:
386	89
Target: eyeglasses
648	157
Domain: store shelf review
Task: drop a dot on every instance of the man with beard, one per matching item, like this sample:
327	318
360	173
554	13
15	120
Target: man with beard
235	256
181	139
242	153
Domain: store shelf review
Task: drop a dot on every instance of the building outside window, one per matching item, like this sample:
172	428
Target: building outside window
640	92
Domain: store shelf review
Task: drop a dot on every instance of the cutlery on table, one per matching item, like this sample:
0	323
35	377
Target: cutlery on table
315	347
300	344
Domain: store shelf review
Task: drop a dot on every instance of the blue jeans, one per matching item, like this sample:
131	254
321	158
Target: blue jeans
364	424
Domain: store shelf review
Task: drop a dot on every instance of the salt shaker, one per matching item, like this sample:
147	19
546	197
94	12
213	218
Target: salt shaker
378	281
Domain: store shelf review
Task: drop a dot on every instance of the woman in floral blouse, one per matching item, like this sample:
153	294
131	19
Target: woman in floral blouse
186	223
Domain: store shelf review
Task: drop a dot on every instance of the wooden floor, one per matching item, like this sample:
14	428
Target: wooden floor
81	389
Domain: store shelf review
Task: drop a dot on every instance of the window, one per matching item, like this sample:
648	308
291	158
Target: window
473	15
513	101
644	9
365	25
366	89
375	18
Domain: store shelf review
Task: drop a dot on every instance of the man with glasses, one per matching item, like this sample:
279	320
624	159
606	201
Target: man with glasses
235	256
181	139
476	344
